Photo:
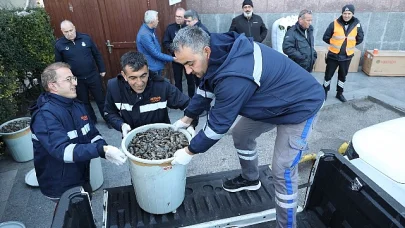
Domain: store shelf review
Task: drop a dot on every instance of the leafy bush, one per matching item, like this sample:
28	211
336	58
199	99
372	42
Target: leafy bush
26	48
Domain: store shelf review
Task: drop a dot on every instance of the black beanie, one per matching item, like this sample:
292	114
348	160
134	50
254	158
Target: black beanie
247	2
349	7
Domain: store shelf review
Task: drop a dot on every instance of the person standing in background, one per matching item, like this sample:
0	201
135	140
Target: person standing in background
178	69
148	44
342	35
298	42
80	52
249	23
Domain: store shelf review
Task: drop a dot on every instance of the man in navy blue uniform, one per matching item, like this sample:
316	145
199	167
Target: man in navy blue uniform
64	138
148	44
268	90
136	97
178	69
80	52
192	18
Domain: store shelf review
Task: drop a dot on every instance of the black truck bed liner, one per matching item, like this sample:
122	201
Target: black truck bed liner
332	202
205	201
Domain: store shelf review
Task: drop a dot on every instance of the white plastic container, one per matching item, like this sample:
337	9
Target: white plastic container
19	143
279	29
159	186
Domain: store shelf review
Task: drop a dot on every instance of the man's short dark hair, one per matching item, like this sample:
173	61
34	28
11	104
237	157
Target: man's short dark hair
191	13
135	60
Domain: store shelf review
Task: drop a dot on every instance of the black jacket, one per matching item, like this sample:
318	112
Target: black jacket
298	48
351	25
170	33
82	55
199	24
124	105
254	27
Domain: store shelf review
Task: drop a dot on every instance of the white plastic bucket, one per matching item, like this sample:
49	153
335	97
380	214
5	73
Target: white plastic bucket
159	186
96	174
19	143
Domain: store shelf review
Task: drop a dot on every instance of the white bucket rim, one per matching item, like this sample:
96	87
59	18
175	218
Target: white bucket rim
12	224
143	129
14	120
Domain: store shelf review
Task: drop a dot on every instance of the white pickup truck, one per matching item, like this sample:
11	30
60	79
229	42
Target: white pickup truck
363	188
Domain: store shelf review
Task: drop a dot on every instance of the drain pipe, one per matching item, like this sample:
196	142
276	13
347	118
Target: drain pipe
312	156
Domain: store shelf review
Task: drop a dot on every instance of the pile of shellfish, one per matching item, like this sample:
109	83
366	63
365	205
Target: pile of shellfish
157	144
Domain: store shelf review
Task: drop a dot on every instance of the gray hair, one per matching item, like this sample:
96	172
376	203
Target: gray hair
193	37
134	60
191	13
49	74
303	12
150	16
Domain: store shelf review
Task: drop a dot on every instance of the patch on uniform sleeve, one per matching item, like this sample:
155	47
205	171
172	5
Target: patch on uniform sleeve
84	118
358	25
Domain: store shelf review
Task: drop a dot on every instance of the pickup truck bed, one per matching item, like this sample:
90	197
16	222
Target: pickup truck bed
340	196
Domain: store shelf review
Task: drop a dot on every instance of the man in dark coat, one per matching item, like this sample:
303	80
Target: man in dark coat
249	23
136	97
298	42
80	52
178	69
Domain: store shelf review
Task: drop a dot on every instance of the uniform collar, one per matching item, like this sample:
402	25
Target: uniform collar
62	101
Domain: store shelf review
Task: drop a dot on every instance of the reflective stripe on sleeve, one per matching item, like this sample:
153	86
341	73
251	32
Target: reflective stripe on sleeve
85	129
68	153
205	94
211	134
72	134
98	137
258	61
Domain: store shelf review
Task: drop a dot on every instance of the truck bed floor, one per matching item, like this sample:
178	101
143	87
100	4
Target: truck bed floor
205	201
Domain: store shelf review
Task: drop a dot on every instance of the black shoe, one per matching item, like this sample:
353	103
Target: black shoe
340	97
239	183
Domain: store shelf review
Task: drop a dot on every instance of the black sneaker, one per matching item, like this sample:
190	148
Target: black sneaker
239	183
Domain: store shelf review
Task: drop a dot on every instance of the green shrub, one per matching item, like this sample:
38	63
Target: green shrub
26	48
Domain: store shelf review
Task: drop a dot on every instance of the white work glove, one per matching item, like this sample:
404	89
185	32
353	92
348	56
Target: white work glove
180	125
115	155
181	157
191	130
125	128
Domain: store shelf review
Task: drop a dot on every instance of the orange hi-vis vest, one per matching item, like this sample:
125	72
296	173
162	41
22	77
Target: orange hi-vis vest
339	37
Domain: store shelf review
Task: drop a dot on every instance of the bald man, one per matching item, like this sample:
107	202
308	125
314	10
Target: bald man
80	52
